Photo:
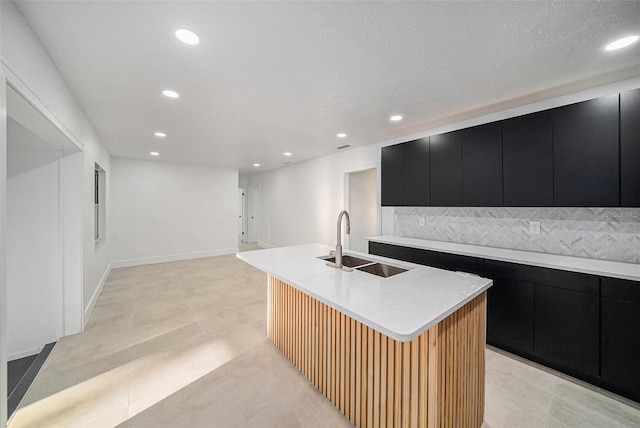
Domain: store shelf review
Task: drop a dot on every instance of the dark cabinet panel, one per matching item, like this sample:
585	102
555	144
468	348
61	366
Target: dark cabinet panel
566	329
527	147
620	337
391	175
454	262
446	169
482	165
586	153
392	251
415	179
630	148
405	174
510	315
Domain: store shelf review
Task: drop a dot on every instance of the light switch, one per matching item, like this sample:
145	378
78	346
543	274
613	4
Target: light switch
534	227
421	221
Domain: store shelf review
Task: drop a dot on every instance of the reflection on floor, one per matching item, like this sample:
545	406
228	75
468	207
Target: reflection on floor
183	344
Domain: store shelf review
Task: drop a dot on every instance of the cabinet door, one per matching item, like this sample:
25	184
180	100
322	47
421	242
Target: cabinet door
415	173
566	329
630	148
391	175
586	154
454	262
510	315
620	337
392	251
482	165
527	147
446	169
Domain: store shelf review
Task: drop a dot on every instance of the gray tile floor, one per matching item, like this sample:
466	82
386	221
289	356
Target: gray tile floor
183	344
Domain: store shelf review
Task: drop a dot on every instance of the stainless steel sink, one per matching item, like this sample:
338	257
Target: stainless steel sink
382	270
348	261
369	266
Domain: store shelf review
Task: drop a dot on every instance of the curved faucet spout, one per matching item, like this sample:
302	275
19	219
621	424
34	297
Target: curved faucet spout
339	238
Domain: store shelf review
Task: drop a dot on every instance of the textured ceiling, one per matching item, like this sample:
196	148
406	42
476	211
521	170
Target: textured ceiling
271	77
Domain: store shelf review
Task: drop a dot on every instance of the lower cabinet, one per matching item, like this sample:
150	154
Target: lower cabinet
448	261
620	337
566	329
509	309
392	251
583	325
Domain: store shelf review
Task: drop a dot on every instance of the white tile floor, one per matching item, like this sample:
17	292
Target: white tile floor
183	344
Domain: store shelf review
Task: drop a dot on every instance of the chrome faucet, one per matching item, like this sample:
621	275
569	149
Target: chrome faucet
339	240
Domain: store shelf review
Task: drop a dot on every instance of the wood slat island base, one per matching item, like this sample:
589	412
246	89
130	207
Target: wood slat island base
436	380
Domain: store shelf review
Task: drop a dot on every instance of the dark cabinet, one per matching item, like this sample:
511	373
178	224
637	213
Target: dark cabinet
510	308
482	165
527	148
446	169
392	251
391	175
630	148
448	261
415	177
567	321
586	153
620	337
405	174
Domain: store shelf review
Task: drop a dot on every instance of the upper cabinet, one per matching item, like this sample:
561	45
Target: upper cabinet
580	155
391	173
586	154
482	165
446	169
405	174
630	148
527	147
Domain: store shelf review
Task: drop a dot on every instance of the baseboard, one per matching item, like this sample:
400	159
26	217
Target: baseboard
96	294
265	245
172	258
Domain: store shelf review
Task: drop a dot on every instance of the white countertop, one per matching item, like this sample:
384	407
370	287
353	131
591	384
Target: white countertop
402	306
612	269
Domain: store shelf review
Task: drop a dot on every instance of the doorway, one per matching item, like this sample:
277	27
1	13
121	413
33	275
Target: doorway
242	215
44	232
363	208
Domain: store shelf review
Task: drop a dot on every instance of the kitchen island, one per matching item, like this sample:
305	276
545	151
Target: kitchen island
406	350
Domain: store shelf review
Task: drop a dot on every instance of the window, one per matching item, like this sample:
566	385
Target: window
99	201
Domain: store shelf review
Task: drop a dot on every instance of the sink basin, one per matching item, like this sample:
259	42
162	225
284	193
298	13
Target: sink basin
348	261
382	270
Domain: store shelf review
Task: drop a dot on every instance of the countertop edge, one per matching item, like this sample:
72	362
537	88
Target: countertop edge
608	268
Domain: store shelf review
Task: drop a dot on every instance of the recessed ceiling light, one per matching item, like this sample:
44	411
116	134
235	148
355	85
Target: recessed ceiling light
170	94
621	43
341	135
395	118
256	164
187	36
160	134
154	153
287	153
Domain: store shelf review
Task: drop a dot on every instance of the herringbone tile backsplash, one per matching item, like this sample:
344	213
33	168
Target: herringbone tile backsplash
598	233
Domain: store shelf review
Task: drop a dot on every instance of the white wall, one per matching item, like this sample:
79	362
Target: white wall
300	203
29	69
34	270
164	211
